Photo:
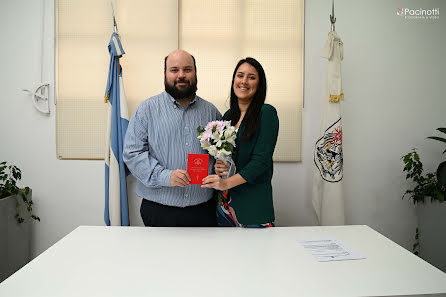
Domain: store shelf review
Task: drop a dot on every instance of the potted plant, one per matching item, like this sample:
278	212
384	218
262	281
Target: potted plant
431	216
14	226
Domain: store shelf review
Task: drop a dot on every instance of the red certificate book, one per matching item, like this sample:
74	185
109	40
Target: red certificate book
197	167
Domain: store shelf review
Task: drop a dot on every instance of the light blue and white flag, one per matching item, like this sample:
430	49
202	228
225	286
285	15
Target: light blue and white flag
116	205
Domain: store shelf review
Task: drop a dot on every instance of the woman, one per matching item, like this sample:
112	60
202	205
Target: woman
250	196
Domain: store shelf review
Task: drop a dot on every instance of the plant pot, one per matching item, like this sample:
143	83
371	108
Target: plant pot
15	238
431	221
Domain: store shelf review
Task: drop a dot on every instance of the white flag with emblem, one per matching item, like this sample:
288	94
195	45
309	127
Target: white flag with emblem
328	194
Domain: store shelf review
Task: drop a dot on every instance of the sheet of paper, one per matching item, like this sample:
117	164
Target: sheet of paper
329	249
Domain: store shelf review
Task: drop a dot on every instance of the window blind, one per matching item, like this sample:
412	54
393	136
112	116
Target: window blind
217	33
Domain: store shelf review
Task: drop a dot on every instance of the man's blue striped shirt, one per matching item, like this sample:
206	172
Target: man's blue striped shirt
159	138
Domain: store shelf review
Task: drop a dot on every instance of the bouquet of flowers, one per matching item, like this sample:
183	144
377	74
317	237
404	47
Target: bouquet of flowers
218	138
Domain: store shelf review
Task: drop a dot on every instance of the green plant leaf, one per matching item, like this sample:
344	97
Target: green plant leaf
442	130
437	138
416	156
9	175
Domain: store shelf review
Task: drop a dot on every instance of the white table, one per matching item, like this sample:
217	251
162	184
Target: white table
138	261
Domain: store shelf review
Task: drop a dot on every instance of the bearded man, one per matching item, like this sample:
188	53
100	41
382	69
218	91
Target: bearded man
161	134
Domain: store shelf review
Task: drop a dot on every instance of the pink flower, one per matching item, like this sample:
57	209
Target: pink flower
206	135
220	125
218	138
211	125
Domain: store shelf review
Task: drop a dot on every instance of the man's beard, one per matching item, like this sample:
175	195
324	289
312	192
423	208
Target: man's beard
176	93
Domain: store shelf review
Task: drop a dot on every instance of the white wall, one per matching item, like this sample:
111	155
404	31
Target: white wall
394	82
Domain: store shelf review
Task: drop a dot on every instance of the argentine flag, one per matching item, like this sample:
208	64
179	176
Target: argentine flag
116	206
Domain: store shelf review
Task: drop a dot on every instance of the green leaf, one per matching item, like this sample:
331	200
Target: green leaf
442	130
416	156
407	158
9	175
437	138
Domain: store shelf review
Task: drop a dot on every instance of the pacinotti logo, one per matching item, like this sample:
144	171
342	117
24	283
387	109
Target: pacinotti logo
419	13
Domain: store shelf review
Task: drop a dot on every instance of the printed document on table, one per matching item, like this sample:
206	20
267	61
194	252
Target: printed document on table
329	249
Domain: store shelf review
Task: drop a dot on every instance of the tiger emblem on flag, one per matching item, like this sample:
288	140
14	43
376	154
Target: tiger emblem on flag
328	153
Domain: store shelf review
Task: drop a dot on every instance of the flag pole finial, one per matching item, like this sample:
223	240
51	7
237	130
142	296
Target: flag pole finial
115	26
332	16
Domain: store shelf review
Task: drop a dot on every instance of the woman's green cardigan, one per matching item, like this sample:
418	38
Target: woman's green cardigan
253	200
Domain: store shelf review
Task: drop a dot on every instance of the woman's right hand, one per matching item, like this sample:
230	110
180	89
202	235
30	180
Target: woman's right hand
220	168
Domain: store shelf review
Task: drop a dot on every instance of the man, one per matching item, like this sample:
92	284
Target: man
160	135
